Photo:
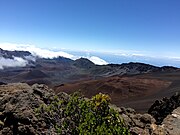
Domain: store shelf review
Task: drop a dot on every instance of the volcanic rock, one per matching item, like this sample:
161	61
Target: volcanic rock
140	124
161	108
19	101
17	109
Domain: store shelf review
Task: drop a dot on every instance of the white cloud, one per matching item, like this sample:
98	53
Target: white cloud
43	53
130	54
174	58
15	62
97	60
30	58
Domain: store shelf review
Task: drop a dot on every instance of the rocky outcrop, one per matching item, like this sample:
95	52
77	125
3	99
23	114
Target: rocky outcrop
163	118
172	122
140	124
17	109
167	113
18	104
161	108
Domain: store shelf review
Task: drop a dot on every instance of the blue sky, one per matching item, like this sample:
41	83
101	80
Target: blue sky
149	27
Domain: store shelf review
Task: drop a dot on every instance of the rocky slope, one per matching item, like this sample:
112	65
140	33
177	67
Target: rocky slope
121	89
19	101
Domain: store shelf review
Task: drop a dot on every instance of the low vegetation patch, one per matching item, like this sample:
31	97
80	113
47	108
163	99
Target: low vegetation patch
77	115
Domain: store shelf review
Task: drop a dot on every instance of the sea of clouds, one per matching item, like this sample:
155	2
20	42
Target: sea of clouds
38	52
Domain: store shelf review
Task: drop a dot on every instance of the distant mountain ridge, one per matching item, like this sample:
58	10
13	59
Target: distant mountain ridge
62	70
11	54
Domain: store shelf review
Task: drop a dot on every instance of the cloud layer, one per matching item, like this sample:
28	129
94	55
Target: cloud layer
97	60
15	62
117	57
45	53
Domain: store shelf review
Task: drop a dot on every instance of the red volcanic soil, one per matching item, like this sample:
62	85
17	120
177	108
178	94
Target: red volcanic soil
133	91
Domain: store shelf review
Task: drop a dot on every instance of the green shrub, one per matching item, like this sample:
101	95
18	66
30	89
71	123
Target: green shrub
84	117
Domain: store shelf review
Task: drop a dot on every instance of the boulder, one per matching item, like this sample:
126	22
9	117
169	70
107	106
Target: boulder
172	122
162	108
17	109
140	124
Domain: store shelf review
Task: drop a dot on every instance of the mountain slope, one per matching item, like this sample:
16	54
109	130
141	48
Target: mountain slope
62	70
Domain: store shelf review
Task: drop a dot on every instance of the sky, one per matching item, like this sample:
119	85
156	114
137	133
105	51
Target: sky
134	27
